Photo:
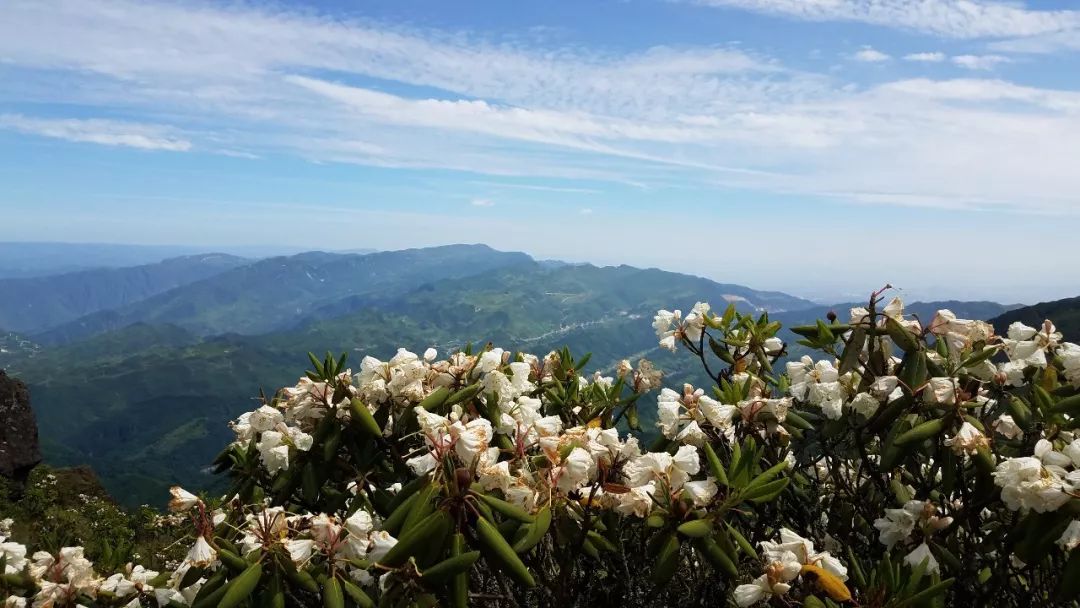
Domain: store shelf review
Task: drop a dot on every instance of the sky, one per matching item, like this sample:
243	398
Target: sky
818	147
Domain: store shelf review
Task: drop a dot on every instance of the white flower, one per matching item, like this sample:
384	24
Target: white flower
858	315
496	476
381	543
422	465
898	524
865	404
265	418
1069	354
762	587
1044	451
637	501
1026	484
701	492
1007	427
1070	539
274	453
181	500
1013	372
772	346
359	524
803	553
959	333
662	323
15	554
472	439
490	360
818	384
940	390
920	553
300	549
695	321
201	554
576	470
692	435
968	440
1029	345
668	412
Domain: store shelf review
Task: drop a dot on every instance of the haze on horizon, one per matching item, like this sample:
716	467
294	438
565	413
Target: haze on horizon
817	148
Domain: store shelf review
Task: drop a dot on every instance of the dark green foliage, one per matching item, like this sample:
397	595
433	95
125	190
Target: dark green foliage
1065	314
69	507
161	396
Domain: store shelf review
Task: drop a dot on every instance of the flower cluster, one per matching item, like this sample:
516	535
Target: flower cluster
414	479
787	560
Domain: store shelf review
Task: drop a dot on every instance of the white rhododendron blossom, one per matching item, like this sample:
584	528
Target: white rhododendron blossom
763	478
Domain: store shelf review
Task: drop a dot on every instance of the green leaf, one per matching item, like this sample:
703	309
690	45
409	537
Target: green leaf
766	492
926	430
926	594
241	587
715	467
849	358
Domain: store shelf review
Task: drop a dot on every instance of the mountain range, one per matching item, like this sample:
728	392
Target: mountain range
142	390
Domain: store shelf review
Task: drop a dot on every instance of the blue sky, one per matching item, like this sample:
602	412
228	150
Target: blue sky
821	147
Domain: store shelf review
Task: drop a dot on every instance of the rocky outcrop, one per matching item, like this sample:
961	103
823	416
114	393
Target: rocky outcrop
19	448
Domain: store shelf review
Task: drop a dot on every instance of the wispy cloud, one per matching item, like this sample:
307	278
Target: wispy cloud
964	19
482	202
870	55
270	81
979	62
95	131
928	57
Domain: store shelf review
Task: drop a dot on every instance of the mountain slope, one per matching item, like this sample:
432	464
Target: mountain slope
924	310
275	293
162	396
34	304
1064	313
38	259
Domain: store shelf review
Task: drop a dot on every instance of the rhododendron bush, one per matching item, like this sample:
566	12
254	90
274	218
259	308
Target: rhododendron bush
913	462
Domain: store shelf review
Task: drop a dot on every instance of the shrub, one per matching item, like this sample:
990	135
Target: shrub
919	463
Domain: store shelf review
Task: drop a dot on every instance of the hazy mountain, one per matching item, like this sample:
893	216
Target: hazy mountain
147	404
982	310
34	304
145	392
41	259
275	293
36	259
1064	313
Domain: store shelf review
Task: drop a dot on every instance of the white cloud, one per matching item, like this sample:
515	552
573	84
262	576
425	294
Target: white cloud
96	131
963	19
870	55
272	83
979	62
925	57
586	211
482	202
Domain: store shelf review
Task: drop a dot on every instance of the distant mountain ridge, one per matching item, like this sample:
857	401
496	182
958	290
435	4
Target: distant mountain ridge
39	259
977	309
275	293
177	366
1065	315
33	304
143	392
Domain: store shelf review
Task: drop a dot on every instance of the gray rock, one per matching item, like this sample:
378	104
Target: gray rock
19	448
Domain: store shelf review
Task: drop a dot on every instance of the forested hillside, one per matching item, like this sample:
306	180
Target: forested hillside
169	371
